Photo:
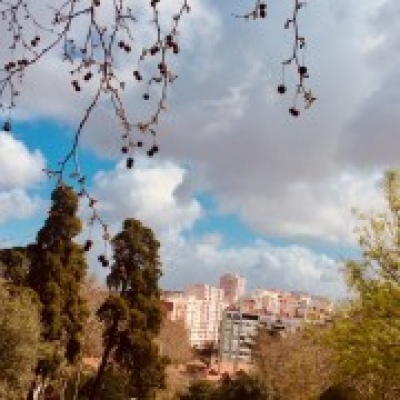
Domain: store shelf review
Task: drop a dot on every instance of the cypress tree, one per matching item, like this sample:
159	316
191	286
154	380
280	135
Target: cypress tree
14	265
57	270
132	313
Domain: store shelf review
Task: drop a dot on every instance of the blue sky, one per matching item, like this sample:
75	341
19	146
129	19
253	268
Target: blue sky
239	185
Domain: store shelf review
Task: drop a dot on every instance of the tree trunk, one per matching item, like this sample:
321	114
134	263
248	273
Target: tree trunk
77	382
103	364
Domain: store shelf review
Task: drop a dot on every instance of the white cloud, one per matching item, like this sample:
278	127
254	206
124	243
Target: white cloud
20	170
307	209
263	265
153	193
150	192
283	176
147	192
17	204
18	166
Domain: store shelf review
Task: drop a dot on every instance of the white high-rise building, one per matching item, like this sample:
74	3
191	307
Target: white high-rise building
233	287
200	307
205	305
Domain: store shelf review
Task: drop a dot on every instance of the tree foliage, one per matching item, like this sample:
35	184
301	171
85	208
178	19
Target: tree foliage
365	336
207	352
58	268
20	347
14	265
340	392
241	386
114	386
174	341
200	390
132	312
296	365
245	386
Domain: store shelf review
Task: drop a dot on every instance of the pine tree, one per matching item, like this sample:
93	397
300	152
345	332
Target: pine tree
132	313
57	270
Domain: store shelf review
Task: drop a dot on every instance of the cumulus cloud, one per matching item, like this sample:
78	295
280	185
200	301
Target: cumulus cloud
282	176
17	204
19	168
150	193
306	209
263	265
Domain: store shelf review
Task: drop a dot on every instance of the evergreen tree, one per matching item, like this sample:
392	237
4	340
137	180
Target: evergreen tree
200	390
340	392
19	340
114	386
132	313
14	265
242	386
56	273
245	386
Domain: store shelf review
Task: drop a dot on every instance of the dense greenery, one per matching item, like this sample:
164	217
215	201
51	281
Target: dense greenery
14	265
132	312
242	386
245	386
19	341
295	365
365	335
114	386
200	390
340	392
57	271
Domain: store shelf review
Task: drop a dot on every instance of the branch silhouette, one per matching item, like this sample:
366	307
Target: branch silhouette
94	45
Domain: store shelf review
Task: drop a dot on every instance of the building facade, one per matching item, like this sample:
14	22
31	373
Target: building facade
205	305
200	308
233	287
238	331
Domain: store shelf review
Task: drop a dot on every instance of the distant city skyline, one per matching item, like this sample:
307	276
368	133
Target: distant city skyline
203	309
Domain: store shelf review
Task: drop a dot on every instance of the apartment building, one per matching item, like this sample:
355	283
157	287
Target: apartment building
204	311
200	308
238	330
285	304
233	286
